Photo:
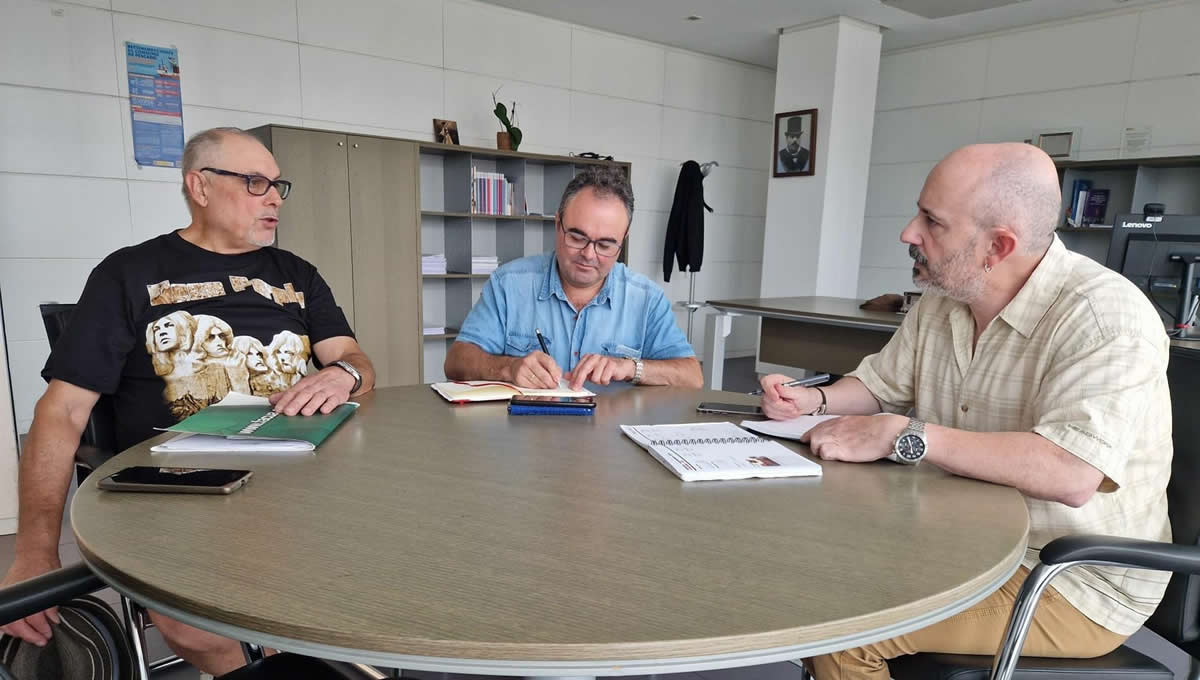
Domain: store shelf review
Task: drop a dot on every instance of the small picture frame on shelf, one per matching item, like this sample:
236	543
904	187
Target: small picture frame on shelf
795	151
445	131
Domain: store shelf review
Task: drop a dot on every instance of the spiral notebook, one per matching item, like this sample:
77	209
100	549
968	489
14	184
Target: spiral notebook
706	451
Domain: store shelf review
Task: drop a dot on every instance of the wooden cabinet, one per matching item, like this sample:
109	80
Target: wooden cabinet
364	208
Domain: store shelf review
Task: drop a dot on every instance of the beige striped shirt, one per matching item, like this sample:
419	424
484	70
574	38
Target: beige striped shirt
1079	357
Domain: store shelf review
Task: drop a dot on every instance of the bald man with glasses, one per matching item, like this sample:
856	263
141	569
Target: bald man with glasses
164	328
576	314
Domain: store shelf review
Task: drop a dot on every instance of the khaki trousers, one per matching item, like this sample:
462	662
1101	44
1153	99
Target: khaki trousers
1058	630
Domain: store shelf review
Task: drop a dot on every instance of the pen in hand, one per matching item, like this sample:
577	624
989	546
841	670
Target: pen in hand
542	341
819	379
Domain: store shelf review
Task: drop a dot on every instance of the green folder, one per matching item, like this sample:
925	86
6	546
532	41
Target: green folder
261	422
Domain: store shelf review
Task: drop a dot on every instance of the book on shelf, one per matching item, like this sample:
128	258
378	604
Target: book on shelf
241	422
1079	192
1095	207
491	193
712	451
462	391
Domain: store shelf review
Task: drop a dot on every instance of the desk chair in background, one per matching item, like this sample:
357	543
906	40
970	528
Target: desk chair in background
1178	616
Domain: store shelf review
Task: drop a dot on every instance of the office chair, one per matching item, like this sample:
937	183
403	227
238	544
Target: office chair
97	444
61	585
1178	615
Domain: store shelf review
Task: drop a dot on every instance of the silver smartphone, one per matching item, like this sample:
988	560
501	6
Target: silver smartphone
176	480
733	409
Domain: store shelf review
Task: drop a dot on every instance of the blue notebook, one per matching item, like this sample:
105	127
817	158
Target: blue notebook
523	410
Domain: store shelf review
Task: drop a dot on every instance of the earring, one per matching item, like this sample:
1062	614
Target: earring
987	268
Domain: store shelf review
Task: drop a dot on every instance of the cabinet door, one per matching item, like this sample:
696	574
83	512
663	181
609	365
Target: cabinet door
315	219
385	231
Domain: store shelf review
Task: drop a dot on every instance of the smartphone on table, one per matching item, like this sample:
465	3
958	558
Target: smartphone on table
732	409
565	402
176	480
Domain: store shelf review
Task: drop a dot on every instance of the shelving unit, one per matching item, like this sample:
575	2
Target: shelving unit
365	208
448	226
1132	182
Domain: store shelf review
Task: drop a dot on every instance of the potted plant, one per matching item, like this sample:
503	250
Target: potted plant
510	137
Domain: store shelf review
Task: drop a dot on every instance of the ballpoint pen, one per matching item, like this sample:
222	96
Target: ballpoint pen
542	341
819	379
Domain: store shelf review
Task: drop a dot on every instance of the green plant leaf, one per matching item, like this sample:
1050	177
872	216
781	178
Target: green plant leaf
502	113
515	135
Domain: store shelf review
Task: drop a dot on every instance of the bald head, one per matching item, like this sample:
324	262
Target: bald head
1009	185
205	147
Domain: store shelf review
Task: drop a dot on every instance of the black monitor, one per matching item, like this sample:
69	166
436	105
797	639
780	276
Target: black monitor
1160	253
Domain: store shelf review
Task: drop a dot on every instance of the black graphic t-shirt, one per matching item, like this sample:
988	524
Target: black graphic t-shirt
167	328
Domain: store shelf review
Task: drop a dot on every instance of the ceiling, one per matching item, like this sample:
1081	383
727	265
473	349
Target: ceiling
747	30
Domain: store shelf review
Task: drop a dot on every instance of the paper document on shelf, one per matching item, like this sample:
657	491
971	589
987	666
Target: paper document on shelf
787	429
495	390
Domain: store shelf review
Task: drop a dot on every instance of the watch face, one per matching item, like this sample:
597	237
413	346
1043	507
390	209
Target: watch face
911	447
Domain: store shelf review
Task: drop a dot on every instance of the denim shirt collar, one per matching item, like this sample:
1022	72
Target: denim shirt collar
552	283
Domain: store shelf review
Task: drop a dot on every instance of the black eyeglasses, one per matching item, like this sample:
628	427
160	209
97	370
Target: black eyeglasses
257	185
577	240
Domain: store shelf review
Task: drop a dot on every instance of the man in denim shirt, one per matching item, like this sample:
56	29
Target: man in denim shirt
600	321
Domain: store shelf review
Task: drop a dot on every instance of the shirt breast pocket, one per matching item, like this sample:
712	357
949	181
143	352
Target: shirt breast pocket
616	349
520	345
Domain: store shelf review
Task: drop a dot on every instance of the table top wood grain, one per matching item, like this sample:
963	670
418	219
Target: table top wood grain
423	533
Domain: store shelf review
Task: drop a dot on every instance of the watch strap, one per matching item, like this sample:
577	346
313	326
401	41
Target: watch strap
639	369
347	367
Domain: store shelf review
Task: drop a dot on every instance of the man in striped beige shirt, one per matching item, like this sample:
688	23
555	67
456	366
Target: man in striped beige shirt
1023	364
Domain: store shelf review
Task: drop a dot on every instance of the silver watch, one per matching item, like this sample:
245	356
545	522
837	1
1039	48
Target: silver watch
345	366
639	369
910	446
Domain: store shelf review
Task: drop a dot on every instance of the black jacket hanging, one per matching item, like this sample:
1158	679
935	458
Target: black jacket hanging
685	227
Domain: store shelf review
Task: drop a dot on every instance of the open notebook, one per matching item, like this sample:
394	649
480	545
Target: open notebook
463	391
704	451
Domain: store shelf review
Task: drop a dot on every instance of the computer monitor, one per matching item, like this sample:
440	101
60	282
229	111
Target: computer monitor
1160	253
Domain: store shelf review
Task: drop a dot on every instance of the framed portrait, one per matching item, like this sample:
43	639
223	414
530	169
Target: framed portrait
795	151
445	131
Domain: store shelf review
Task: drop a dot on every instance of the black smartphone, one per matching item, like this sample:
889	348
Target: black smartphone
734	409
539	400
176	480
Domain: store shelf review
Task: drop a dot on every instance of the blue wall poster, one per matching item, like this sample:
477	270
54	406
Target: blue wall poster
156	105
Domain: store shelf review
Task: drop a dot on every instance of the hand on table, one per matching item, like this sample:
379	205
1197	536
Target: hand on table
601	370
34	628
855	439
324	390
536	369
785	403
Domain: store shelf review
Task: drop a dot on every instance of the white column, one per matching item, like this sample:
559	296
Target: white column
814	223
8	445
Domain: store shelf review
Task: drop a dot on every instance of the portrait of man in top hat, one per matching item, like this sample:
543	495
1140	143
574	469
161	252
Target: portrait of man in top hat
795	135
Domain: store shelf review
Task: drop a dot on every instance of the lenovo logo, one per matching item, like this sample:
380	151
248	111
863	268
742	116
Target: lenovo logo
1136	225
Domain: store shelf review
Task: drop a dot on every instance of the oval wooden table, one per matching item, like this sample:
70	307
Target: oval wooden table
459	539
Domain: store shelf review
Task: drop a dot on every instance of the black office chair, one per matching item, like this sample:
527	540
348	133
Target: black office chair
61	585
99	443
1178	615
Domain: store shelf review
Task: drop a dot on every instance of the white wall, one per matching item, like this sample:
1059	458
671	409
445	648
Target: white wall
8	449
1101	74
70	192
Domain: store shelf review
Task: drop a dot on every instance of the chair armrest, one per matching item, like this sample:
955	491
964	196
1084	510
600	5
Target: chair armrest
1130	552
48	590
91	457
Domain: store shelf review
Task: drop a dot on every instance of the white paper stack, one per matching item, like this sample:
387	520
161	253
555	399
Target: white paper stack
434	330
484	264
433	264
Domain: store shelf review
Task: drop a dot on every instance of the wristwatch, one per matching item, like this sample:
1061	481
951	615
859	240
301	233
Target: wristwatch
639	368
910	447
345	366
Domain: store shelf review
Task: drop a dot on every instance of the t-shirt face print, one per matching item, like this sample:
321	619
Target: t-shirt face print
167	328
